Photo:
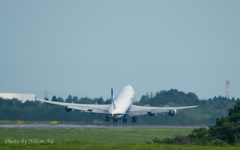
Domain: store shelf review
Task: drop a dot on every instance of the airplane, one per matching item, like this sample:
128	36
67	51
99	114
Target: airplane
120	108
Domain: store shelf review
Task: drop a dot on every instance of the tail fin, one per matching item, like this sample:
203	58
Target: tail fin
112	99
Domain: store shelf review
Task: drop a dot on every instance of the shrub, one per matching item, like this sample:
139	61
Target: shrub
168	141
218	142
180	140
156	141
199	136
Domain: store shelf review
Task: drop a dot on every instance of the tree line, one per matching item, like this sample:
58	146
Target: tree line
205	114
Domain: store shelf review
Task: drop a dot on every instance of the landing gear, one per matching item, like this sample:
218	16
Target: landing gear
134	119
107	118
124	120
115	120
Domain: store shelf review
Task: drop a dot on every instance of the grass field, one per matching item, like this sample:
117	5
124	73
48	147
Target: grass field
92	145
93	135
94	139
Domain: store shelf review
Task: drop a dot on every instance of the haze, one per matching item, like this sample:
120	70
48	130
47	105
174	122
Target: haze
84	48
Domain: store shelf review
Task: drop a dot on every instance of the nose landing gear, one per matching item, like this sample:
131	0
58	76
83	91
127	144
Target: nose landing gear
115	120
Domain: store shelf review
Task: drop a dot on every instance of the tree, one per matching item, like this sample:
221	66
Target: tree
199	136
108	101
60	99
228	128
75	99
235	110
100	101
54	98
151	95
69	99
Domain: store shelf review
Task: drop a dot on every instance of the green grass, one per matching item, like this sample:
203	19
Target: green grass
96	139
94	135
93	145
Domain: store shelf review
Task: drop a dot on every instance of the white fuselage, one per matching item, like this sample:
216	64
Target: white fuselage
123	102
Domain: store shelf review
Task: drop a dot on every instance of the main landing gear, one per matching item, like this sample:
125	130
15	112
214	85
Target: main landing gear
124	120
107	118
134	119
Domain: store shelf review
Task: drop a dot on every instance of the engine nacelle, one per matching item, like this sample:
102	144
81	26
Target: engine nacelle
151	114
68	109
172	112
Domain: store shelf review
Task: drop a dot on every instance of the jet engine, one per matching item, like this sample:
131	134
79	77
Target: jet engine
68	109
151	114
172	112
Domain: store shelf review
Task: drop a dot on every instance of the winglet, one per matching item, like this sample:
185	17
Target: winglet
112	98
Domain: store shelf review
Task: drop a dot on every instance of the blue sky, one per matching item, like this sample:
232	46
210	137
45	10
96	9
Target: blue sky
84	48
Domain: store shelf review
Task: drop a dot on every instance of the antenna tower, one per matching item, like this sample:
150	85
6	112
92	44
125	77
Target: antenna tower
46	94
227	89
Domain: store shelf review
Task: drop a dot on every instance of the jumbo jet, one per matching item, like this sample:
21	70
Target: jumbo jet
120	108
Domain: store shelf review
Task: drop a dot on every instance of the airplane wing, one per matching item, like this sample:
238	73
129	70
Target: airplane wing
90	108
143	110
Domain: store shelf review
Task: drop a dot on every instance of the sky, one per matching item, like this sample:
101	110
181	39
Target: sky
85	48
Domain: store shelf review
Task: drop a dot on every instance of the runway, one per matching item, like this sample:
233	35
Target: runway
91	126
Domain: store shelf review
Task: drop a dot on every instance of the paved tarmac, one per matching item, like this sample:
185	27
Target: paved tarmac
91	126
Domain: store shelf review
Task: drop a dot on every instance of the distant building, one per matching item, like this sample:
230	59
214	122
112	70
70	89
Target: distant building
19	96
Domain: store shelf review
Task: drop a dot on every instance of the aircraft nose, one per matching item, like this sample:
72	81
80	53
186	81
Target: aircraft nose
114	111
